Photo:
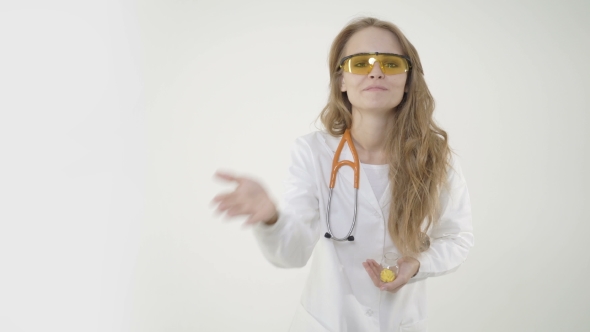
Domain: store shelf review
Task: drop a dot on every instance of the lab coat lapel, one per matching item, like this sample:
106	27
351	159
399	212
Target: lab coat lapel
346	174
385	200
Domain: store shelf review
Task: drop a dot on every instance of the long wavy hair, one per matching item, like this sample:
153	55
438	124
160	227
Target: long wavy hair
417	149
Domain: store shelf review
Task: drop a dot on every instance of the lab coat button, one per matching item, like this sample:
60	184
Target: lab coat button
369	312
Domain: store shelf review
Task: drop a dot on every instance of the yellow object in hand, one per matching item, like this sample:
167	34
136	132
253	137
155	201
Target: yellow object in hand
387	275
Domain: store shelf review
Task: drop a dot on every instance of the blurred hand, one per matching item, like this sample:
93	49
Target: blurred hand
249	198
408	267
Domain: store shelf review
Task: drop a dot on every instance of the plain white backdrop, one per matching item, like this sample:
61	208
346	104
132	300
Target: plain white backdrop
114	115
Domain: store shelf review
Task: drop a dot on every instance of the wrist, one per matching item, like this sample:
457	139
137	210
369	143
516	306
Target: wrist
417	269
273	219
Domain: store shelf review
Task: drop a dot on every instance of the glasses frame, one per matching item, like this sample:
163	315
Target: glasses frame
377	53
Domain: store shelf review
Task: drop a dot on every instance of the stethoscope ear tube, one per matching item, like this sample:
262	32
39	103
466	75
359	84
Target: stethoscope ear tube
328	235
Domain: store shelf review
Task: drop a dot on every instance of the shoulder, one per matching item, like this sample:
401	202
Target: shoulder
317	140
314	137
454	171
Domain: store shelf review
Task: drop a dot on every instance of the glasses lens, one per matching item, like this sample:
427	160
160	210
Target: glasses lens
363	64
392	65
359	64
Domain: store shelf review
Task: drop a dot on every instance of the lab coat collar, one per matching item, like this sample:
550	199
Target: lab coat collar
347	174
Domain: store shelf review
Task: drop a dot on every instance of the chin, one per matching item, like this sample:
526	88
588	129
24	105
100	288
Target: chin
379	104
381	108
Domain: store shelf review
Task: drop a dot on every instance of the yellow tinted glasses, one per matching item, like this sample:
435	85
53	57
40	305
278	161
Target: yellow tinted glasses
362	63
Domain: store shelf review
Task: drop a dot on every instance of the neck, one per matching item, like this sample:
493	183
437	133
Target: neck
369	132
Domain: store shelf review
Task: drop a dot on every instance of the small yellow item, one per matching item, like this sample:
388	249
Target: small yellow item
387	275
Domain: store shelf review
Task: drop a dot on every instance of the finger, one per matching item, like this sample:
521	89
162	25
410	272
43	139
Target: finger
373	262
395	290
221	197
391	287
376	280
224	206
396	284
226	176
237	210
234	207
375	269
375	266
228	201
369	271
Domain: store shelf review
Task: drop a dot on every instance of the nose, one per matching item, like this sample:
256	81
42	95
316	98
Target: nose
376	71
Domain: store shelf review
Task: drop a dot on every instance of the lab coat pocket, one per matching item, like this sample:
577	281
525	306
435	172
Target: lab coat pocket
420	326
305	322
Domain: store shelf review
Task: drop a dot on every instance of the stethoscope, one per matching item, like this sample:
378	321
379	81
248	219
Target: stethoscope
355	165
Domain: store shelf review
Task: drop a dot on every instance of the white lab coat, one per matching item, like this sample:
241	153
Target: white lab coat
339	295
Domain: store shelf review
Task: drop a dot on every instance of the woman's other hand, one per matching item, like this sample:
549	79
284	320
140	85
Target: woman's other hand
408	267
249	198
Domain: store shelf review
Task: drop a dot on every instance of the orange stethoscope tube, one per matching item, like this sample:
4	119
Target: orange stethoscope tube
336	164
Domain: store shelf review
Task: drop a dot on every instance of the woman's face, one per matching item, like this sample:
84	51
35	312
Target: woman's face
374	92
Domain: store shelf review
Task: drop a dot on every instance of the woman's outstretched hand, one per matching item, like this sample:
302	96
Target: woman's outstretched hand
408	267
249	198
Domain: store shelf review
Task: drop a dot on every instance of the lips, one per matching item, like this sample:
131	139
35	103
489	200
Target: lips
375	88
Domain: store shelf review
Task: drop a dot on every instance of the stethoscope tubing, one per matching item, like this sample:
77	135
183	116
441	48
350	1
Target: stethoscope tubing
336	164
348	236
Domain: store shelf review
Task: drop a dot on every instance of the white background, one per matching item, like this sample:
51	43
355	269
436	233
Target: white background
114	115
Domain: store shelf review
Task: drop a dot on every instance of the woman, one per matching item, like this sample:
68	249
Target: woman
412	198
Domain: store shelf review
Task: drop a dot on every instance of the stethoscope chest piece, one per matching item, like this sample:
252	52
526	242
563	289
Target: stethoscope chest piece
336	164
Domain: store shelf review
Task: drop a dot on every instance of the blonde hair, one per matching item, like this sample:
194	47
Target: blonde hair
417	149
